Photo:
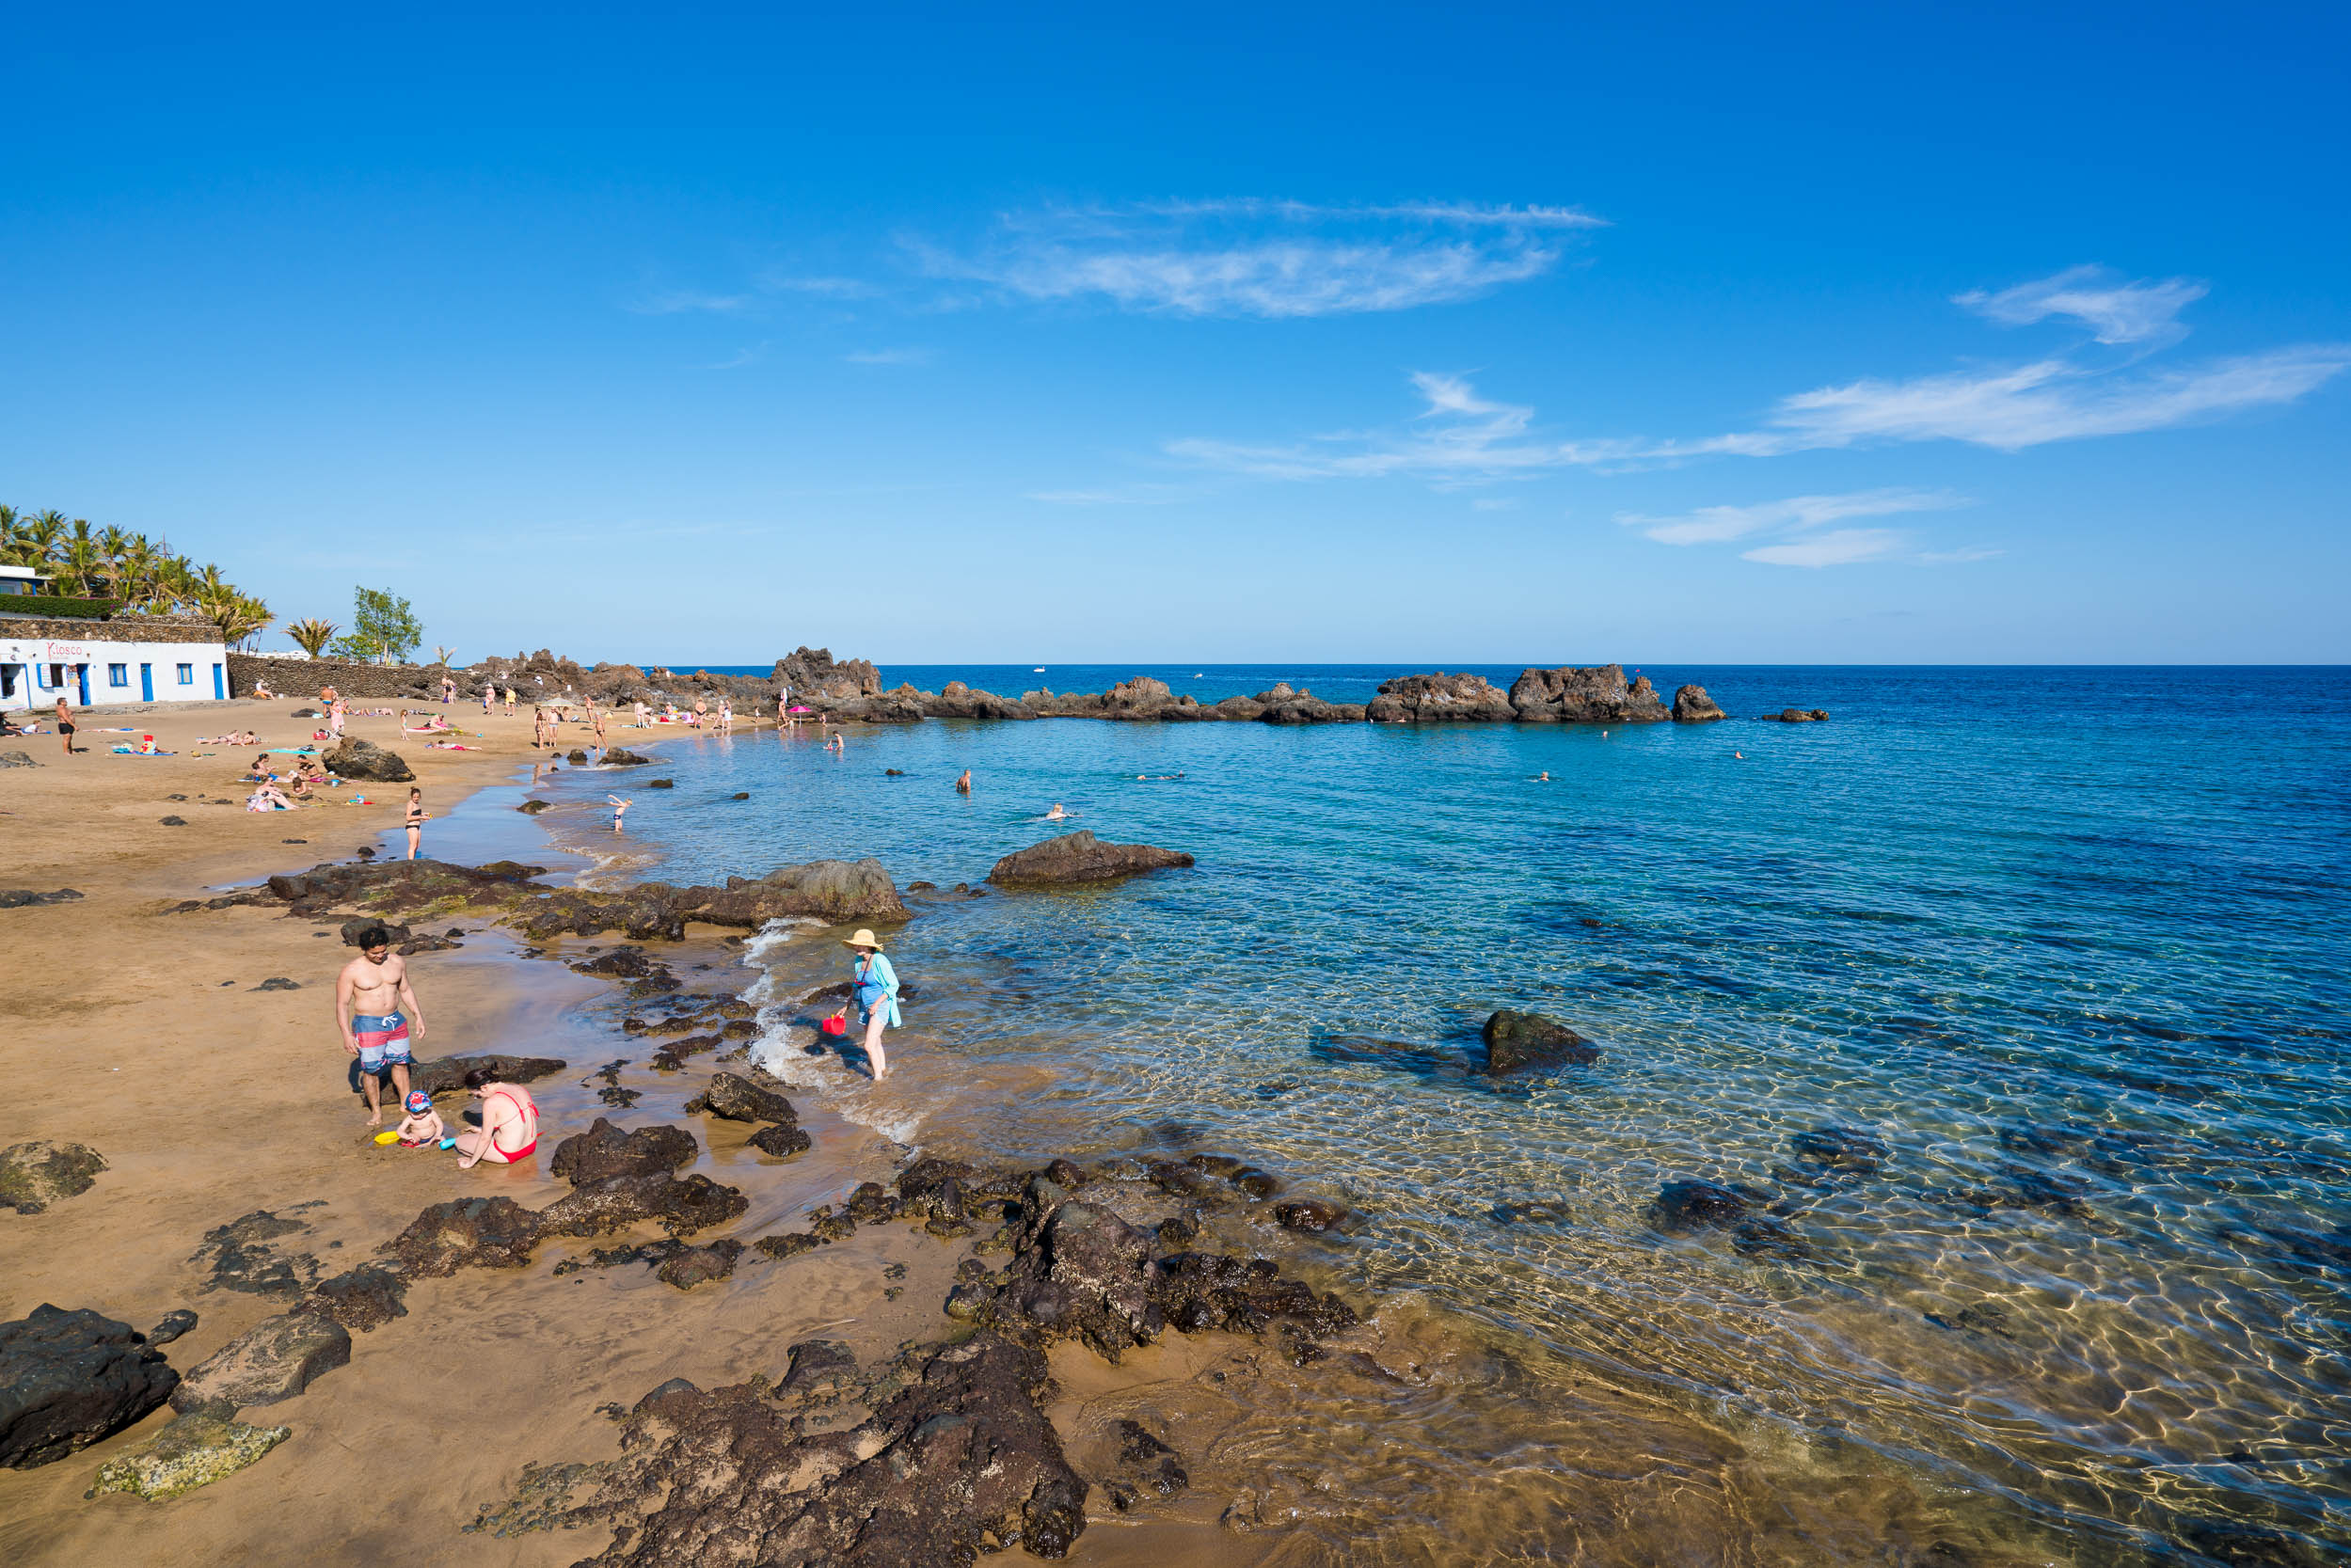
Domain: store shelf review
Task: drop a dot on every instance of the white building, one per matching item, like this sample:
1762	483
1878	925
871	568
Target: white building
97	663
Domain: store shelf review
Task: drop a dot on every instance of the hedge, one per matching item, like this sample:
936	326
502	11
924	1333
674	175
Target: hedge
57	604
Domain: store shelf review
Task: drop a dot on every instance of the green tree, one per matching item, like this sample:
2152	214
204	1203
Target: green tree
311	636
383	628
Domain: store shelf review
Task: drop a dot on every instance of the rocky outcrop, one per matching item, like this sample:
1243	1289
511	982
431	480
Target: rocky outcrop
71	1379
465	1233
1691	705
1440	699
615	1202
1591	694
1076	859
604	1150
1518	1041
364	759
192	1452
35	1175
959	701
449	1075
24	897
1796	716
955	1459
733	1097
275	1359
814	675
362	1299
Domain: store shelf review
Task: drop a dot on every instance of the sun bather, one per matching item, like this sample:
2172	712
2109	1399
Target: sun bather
267	798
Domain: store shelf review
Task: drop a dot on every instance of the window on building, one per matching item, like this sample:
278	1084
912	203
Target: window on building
118	675
57	675
187	674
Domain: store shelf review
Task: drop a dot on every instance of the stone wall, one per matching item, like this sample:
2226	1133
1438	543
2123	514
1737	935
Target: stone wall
302	677
122	628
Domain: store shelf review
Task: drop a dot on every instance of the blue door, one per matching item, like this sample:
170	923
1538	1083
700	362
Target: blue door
217	690
81	677
146	682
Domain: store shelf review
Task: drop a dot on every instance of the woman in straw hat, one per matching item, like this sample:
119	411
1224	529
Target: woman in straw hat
876	994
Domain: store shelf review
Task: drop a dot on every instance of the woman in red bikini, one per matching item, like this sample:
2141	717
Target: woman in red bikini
509	1133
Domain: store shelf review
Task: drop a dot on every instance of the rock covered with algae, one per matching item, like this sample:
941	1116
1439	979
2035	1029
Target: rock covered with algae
193	1452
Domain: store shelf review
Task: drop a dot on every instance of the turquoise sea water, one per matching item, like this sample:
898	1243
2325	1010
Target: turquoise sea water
2068	943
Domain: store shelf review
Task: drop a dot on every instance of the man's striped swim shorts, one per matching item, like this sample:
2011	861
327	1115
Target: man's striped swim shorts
383	1041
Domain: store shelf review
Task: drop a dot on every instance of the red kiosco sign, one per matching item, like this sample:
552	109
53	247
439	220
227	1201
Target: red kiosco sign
67	653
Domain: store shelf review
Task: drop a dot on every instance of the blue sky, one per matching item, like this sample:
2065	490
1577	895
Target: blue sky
1698	334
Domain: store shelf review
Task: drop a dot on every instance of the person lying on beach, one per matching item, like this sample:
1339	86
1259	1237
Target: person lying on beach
262	692
434	726
423	1124
509	1133
267	798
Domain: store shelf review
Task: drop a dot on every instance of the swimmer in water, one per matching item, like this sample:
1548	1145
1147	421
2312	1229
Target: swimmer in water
1741	756
1544	777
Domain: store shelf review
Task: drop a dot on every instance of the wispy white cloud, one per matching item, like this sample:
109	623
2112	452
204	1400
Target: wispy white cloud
1837	547
678	301
889	356
1710	525
741	358
831	288
1267	258
2114	311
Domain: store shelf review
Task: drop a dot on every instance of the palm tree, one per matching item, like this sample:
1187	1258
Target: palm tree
79	559
239	616
112	541
311	636
141	562
442	655
12	537
45	530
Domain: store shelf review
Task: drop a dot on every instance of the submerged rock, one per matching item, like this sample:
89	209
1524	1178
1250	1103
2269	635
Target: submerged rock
1516	1040
275	1359
1693	1204
71	1379
621	756
194	1450
35	1175
605	1150
1078	858
1147	1467
780	1141
364	759
699	1265
1841	1149
466	1233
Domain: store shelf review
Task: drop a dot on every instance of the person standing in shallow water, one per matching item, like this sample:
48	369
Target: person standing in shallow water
416	820
876	994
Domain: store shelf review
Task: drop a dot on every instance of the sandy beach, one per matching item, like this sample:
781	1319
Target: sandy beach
138	1029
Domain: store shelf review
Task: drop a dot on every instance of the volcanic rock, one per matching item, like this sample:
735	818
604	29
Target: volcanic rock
605	1150
532	808
1436	699
466	1233
448	1074
1516	1040
1691	705
699	1265
364	759
275	1359
683	1206
1796	716
22	897
621	756
71	1379
170	1326
362	1299
35	1175
1841	1149
1145	1466
240	1256
780	1141
192	1451
1309	1214
733	1098
1592	694
816	678
1079	858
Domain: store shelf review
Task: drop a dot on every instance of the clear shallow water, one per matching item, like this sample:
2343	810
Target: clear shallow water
2068	942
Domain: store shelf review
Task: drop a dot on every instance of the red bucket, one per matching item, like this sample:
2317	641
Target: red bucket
836	1025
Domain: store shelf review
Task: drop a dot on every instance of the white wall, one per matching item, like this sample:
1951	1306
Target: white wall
29	662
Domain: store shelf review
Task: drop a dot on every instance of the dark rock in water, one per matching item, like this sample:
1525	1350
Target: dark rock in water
278	982
1769	1236
1370	1051
1795	716
1309	1214
240	1257
899	773
780	1141
576	757
1145	1468
658	984
24	897
466	1233
740	795
1439	699
275	1359
1591	694
1078	858
734	1097
605	1150
661	783
682	1207
957	1459
871	1204
364	759
1691	705
362	1299
1516	1040
621	756
71	1379
1984	1317
532	808
791	1243
449	1075
699	1265
171	1326
1692	1205
35	1175
1841	1149
624	962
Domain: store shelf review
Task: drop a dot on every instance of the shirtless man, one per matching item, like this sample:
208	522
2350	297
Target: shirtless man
65	726
377	1014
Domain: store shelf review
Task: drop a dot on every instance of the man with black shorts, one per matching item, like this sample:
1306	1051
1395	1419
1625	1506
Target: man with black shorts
65	726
